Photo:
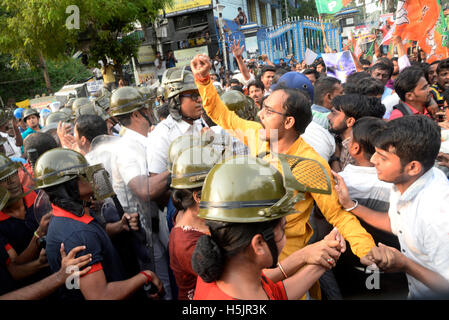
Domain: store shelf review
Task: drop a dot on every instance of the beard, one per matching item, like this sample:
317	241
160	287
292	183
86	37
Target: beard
338	130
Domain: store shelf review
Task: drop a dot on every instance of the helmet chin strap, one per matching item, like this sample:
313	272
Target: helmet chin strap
145	117
268	236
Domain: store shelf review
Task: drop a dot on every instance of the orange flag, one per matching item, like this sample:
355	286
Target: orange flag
416	18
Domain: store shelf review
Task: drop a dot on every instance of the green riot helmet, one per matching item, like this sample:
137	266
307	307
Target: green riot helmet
57	166
192	166
244	189
178	145
125	100
29	112
78	103
241	104
176	81
53	119
92	109
9	179
67	111
148	94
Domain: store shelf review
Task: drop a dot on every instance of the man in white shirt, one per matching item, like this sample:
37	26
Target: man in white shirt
134	187
160	66
406	151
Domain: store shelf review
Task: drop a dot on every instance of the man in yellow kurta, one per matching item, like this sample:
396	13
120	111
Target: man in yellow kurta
284	116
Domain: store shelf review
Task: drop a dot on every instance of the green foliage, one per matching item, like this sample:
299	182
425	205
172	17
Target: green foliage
306	8
24	82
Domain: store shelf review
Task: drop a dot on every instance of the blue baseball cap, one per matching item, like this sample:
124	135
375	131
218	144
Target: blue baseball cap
295	80
18	113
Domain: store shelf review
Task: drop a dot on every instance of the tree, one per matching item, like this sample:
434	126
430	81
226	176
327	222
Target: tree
34	31
23	82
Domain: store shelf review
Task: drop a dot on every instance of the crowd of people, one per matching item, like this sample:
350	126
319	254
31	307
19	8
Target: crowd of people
272	182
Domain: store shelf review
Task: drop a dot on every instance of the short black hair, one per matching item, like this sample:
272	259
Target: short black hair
267	68
311	71
444	64
383	65
40	141
322	87
279	73
364	61
407	81
298	106
364	132
358	106
414	138
90	126
353	81
257	84
371	87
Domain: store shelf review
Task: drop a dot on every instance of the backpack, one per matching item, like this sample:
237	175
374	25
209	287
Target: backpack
403	108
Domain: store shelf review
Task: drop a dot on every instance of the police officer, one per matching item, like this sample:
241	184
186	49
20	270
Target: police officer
67	179
31	118
131	181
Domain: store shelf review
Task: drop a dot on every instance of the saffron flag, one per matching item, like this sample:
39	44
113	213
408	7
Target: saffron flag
423	21
330	6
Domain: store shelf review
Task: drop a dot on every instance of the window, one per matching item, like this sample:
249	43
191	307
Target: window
263	13
349	21
252	14
274	17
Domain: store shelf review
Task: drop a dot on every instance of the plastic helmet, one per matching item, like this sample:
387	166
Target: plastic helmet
18	113
7	167
69	103
192	166
241	104
14	187
176	81
125	100
243	189
67	111
57	166
180	144
4	197
29	112
295	80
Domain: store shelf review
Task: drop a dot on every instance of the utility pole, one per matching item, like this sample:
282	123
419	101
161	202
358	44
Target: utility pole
286	9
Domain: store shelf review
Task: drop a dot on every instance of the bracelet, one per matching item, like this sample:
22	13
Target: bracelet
36	235
355	206
282	270
149	277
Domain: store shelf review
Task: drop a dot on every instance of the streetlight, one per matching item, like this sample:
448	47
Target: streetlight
219	9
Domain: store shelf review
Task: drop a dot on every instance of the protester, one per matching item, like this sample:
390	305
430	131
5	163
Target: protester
405	154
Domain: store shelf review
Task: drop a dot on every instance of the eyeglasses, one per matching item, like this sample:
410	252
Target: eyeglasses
269	112
194	96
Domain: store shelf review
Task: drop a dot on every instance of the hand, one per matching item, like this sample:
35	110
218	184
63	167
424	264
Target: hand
43	261
342	191
68	260
336	235
325	253
443	159
264	57
158	283
237	51
200	66
130	221
43	225
388	259
444	125
65	136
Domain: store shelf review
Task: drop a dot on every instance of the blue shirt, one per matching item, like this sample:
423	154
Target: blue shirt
65	227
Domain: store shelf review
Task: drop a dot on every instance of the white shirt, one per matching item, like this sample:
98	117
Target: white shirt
159	71
364	185
129	162
162	136
319	139
420	219
389	102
